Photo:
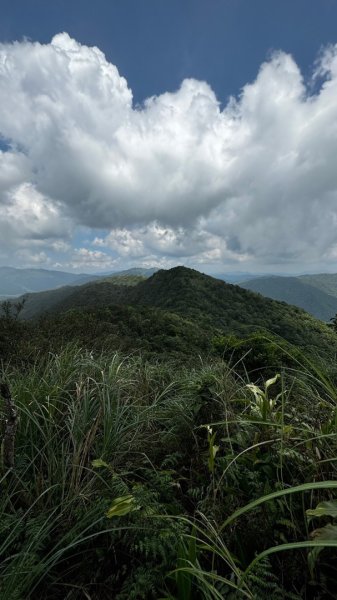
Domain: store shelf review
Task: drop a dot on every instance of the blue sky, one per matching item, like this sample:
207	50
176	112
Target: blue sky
190	176
157	43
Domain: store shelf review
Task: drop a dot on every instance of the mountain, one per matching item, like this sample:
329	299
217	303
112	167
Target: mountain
236	276
228	307
137	271
211	304
101	292
298	291
326	282
15	282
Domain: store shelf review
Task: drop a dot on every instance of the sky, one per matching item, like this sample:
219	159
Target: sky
156	133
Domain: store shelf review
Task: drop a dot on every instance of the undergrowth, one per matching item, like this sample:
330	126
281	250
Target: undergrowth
144	480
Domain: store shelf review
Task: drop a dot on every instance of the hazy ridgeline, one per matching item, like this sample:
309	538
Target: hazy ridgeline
172	446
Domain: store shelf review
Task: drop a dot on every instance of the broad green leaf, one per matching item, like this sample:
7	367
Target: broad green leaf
258	393
325	534
192	547
327	508
121	506
271	381
215	449
278	396
186	558
211	459
99	462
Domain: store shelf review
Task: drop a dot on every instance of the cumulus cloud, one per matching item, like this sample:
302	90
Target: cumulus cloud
84	258
27	215
191	246
177	179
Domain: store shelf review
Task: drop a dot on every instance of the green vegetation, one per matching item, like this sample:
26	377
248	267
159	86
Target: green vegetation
327	282
125	279
310	292
104	291
14	282
124	328
210	303
175	446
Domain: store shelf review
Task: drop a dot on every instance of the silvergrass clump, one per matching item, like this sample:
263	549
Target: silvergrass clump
138	479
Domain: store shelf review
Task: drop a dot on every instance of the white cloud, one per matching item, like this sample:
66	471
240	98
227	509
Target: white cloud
147	244
36	259
83	258
26	216
176	179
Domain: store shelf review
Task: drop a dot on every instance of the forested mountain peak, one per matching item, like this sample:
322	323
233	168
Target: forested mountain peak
201	299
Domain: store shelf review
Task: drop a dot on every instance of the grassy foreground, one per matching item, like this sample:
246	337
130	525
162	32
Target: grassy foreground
143	480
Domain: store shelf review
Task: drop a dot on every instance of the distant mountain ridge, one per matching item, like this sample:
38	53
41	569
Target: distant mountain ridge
317	294
208	302
15	282
102	291
327	282
236	277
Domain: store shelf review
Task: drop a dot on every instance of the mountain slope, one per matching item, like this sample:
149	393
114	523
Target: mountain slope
236	277
229	307
110	290
297	291
15	282
139	271
210	303
326	282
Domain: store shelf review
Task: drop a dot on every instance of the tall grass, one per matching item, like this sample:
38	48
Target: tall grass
207	477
